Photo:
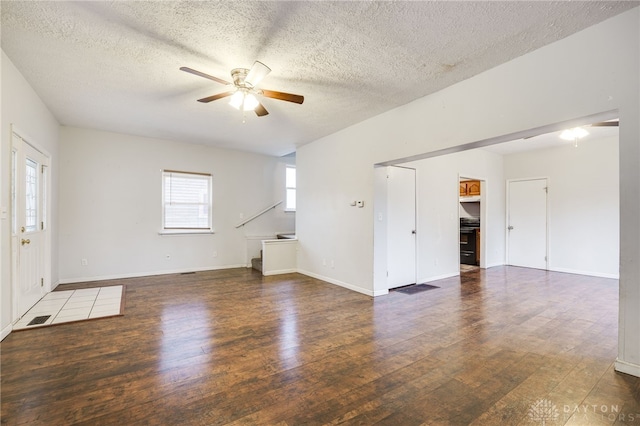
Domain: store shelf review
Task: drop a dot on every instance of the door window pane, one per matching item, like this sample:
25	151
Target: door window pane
31	196
14	189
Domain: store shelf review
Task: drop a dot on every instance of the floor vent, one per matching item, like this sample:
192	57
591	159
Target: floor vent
39	320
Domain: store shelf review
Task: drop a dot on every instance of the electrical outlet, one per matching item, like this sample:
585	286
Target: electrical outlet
84	262
215	253
332	264
324	262
168	257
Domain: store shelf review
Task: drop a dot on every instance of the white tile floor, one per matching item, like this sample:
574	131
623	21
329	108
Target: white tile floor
74	305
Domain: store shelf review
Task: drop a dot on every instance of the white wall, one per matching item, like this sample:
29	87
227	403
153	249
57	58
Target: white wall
22	107
559	82
583	203
438	210
110	205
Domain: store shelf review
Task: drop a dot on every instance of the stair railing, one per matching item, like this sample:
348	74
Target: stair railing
260	213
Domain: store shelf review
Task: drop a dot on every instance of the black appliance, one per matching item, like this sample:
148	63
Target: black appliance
469	239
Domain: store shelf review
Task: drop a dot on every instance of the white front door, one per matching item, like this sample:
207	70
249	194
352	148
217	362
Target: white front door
29	215
401	226
527	223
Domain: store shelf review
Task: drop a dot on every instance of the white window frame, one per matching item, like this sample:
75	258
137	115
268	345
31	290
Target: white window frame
208	229
290	188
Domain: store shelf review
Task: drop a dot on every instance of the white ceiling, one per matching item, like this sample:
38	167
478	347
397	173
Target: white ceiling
115	65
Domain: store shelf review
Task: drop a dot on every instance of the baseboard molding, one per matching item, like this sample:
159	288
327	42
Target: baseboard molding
587	273
377	293
5	332
279	272
146	274
627	368
438	277
340	283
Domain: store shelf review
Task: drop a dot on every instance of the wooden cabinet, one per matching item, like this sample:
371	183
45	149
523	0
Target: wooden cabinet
469	188
463	189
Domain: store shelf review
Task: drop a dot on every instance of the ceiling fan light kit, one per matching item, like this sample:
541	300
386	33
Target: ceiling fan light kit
243	93
244	100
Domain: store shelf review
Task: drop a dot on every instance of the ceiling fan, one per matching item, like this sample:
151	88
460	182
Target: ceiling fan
243	92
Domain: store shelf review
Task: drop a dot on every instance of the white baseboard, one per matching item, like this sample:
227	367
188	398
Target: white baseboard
279	272
627	368
340	283
6	331
588	273
145	274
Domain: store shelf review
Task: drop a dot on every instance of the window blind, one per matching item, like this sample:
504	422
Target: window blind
290	183
186	200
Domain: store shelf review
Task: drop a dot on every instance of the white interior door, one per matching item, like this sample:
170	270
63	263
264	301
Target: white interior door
401	227
29	216
527	223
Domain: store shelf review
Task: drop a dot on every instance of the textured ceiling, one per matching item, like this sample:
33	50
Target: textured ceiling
115	65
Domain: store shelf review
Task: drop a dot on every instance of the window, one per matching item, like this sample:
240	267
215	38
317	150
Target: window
14	199
290	183
31	196
186	201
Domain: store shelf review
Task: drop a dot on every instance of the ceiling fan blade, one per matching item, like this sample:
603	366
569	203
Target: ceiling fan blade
261	110
201	74
215	97
289	97
606	124
257	72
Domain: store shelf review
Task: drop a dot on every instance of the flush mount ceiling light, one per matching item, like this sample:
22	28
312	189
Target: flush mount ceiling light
574	135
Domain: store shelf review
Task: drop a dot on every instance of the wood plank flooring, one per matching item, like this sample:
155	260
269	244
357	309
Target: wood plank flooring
504	346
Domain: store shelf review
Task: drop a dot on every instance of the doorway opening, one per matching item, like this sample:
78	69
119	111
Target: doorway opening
471	205
438	242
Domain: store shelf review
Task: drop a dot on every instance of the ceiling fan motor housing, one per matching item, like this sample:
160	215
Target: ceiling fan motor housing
239	75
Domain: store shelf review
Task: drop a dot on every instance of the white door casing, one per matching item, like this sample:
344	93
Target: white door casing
527	223
29	225
401	226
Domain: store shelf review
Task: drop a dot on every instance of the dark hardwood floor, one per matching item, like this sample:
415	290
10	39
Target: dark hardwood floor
505	346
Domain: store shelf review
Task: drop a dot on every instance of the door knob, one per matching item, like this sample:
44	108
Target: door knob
413	232
27	241
510	228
